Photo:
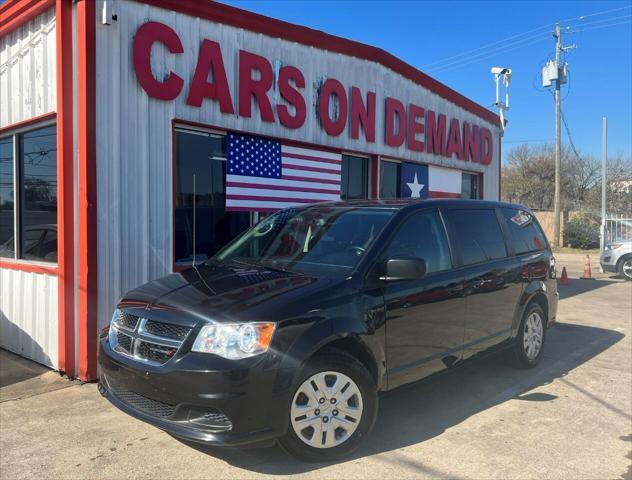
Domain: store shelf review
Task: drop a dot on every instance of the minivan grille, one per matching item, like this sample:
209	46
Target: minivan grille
168	330
146	340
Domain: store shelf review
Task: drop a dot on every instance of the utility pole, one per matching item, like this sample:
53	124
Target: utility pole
604	156
558	138
557	72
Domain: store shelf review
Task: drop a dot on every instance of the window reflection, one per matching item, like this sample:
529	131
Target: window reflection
201	180
7	203
354	177
38	153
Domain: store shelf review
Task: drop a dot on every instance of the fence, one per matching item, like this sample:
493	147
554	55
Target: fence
617	228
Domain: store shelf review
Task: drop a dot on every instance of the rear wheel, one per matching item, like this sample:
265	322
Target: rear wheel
529	343
333	408
625	268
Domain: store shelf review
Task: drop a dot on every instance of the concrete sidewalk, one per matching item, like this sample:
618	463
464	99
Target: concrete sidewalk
571	417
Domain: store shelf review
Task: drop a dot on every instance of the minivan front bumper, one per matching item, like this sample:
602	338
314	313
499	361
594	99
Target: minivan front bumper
197	398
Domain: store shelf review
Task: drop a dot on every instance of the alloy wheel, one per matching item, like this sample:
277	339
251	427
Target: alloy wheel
533	335
627	268
326	409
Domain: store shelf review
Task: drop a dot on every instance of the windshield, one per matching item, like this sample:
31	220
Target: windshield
317	241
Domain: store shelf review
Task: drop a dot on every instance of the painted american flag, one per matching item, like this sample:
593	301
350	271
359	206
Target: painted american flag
266	175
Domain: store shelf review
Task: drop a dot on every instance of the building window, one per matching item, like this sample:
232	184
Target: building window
202	224
32	206
7	203
390	179
469	186
355	177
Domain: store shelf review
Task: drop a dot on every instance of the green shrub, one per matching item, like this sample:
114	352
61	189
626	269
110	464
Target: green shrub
581	232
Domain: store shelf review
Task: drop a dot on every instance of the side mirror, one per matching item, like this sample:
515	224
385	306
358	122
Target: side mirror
404	268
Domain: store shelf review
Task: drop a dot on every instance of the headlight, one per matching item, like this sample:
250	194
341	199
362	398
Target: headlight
234	340
613	246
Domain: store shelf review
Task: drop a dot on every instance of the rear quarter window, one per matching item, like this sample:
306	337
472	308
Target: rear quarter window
477	235
525	234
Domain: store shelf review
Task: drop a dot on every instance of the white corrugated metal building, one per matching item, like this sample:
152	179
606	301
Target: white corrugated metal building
109	108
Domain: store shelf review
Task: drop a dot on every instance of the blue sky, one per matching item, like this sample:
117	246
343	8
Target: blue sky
425	32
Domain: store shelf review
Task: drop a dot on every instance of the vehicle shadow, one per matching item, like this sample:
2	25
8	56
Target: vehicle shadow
578	286
418	412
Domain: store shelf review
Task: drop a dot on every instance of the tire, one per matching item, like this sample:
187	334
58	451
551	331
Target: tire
528	353
625	268
340	436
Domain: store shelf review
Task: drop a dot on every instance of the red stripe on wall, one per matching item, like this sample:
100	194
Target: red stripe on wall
311	157
281	187
272	199
434	194
65	187
28	122
87	190
310	169
315	180
14	13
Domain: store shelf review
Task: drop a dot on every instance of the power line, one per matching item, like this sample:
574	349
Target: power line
605	20
482	56
600	26
568	134
440	63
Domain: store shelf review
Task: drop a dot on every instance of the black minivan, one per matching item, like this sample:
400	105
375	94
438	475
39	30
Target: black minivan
291	331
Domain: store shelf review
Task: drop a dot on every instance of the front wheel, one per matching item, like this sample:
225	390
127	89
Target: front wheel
625	268
332	410
529	343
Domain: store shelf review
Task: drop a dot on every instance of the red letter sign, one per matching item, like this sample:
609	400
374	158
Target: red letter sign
361	114
414	127
435	134
292	96
147	34
487	146
330	87
210	59
454	140
395	108
470	142
259	88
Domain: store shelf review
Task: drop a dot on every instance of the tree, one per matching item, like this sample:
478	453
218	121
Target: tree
528	177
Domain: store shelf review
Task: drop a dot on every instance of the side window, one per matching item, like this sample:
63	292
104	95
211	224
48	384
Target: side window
422	235
477	235
526	235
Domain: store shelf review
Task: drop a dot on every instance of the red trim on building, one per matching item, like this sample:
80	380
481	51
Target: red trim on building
217	12
433	194
14	13
27	123
25	266
65	188
87	190
374	176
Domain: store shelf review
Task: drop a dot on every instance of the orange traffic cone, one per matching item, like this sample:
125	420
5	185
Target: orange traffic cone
587	272
564	277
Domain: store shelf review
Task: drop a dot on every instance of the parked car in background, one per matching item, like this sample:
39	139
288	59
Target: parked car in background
617	258
290	332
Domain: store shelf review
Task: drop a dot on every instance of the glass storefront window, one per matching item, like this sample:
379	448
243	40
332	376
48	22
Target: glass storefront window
469	186
200	187
36	195
354	177
390	179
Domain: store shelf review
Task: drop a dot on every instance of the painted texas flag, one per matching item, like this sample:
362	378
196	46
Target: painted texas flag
414	180
444	182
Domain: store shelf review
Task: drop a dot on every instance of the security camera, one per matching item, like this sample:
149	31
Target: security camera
501	70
